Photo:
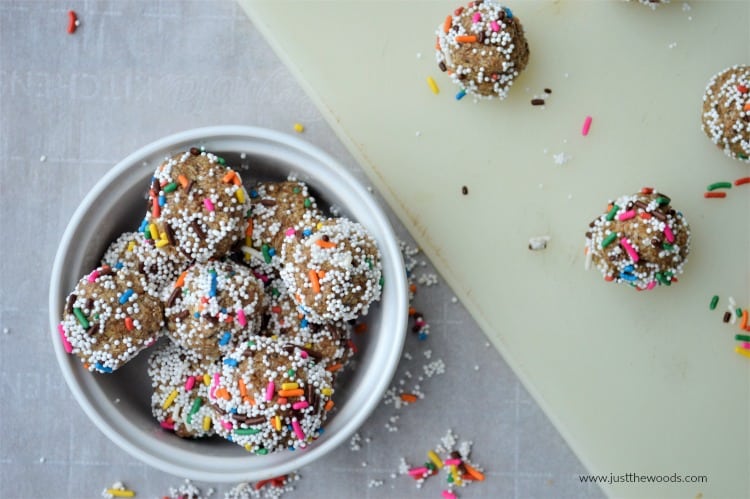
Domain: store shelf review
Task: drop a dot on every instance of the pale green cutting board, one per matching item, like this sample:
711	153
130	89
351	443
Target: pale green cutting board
635	382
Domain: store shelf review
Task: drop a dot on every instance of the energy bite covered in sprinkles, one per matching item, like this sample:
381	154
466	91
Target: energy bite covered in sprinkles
197	206
726	112
483	48
639	240
271	396
180	400
212	307
108	318
334	273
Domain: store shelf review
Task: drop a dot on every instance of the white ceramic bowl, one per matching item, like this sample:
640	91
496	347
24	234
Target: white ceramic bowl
119	403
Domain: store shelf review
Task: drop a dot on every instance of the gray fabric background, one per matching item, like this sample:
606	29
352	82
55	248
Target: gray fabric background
71	106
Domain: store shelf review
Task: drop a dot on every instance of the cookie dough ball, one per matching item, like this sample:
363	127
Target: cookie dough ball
639	240
271	396
180	400
198	206
726	112
213	307
277	210
109	318
133	251
483	48
329	344
333	274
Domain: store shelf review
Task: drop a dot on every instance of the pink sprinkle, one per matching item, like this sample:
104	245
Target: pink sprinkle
452	462
241	317
476	17
208	204
227	425
629	249
269	390
298	429
651	285
746	345
668	234
300	405
290	232
190	383
167	425
260	276
626	215
303	354
586	126
418	471
66	344
447	494
495	27
214	386
93	275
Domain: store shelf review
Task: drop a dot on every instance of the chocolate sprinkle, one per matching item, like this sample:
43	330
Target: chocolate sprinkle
170	234
197	229
176	292
547	90
93	329
640	204
442	66
464	190
71	300
537	102
659	215
182	314
189	186
255	420
155	187
195	151
267	202
727	316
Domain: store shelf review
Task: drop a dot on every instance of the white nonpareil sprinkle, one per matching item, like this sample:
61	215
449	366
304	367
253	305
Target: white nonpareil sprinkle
538	243
374	483
42	158
672	45
561	158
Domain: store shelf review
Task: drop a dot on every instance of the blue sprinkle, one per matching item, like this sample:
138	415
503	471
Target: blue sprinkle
461	94
629	269
143	226
233	410
422	336
225	338
212	292
101	367
253	193
303	323
229	437
628	277
118	265
306	232
321	431
508	12
196	315
271	251
230	362
223	310
125	296
162	200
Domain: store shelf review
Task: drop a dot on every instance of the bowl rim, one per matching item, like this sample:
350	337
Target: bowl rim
396	284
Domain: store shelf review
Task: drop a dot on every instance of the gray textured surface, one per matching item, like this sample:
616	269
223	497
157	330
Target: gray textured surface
71	106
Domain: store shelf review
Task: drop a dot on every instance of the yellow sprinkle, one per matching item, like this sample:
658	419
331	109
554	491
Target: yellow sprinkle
435	459
277	422
248	240
289	386
326	391
319	226
206	423
456	478
240	193
274	337
248	447
206	379
168	401
161	243
121	493
299	128
154	231
131	245
742	351
433	85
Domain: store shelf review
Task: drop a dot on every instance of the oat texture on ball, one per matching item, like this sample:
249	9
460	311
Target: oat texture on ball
180	382
334	273
271	396
109	318
726	112
640	240
213	307
197	206
482	46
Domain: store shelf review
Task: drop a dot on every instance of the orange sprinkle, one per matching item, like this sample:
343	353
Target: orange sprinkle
585	250
743	321
609	206
180	280
645	215
128	323
236	180
334	367
466	39
609	278
281	400
243	387
314	280
708	195
447	24
329	405
321	274
409	398
742	181
475	473
647	190
249	228
222	393
412	310
351	346
229	177
86	365
747	107
182	179
437	43
155	208
276	309
325	244
297	392
360	328
413	288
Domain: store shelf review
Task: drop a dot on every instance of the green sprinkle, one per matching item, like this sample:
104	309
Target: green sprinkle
266	255
262	452
220	160
170	187
381	281
291	373
450	478
197	403
147	233
369	262
661	200
247	431
719	185
296	190
308	203
738	312
742	337
714	302
249	212
609	239
81	318
612	213
275	292
430	466
667	246
96	317
662	279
